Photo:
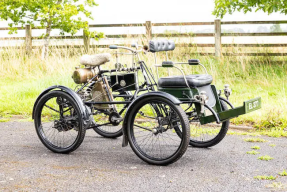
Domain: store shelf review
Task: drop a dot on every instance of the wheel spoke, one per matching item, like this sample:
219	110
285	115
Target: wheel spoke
52	108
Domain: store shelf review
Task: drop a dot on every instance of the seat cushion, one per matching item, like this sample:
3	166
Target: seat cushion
178	81
95	60
161	45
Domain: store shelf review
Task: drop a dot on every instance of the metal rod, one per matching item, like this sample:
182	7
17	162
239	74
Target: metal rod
87	83
203	67
183	76
122	95
108	102
156	67
166	55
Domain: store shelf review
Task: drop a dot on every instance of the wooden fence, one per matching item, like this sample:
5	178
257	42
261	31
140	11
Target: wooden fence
148	27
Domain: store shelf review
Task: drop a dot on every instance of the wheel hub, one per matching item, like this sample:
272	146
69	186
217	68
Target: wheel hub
115	118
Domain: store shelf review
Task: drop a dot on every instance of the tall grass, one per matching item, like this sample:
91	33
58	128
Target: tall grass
23	77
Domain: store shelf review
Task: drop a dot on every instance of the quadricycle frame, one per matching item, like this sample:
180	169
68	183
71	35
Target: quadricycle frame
169	113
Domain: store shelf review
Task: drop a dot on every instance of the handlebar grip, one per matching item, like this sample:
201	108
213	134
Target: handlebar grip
193	62
113	46
167	64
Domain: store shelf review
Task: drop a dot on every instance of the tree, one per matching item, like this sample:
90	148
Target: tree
275	28
65	15
229	6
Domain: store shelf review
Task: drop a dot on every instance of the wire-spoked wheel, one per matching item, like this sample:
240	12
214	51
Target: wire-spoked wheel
58	122
151	131
109	123
206	135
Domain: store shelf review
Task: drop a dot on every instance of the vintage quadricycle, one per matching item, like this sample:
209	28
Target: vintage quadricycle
129	101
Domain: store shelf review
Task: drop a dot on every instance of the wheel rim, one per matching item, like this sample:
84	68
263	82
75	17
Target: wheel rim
59	122
104	121
104	124
155	138
202	133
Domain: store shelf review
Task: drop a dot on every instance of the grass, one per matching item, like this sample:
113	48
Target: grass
252	152
277	185
283	173
265	158
272	145
273	132
4	120
24	77
255	147
265	177
255	140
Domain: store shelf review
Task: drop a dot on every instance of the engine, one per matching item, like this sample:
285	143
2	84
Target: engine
97	91
82	75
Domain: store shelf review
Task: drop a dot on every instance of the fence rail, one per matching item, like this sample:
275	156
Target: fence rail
148	27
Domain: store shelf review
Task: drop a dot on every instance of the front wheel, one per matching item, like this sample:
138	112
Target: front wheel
58	122
151	131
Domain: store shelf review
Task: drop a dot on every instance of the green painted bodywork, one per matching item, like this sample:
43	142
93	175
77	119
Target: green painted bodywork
231	113
183	94
186	94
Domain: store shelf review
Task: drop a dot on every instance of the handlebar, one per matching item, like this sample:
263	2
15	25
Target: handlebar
127	48
113	46
122	47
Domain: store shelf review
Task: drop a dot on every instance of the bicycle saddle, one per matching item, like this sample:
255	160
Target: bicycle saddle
95	60
179	82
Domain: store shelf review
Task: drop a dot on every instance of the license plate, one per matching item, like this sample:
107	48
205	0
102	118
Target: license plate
252	104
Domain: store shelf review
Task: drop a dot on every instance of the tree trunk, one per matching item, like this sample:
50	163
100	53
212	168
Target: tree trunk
47	40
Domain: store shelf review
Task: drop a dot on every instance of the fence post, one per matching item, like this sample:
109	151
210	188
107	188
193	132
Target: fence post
217	34
28	40
86	38
148	28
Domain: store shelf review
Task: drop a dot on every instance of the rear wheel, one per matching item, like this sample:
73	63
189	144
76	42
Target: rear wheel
109	122
207	135
151	131
58	122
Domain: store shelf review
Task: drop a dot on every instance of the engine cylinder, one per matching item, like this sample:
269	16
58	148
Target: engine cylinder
82	75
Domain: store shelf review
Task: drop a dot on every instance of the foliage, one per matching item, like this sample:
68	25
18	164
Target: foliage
252	152
265	158
274	120
265	177
275	28
283	173
272	145
269	6
255	147
65	15
254	140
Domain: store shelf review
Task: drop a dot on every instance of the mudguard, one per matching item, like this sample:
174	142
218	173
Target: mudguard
149	94
69	91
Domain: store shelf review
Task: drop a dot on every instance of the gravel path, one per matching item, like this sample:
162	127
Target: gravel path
103	165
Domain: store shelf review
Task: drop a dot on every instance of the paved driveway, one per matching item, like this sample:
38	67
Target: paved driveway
103	165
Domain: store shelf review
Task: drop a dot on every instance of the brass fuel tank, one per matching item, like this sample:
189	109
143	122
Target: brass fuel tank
82	75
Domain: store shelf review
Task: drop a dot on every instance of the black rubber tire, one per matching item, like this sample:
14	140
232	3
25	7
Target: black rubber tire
111	135
185	130
108	134
216	139
37	121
